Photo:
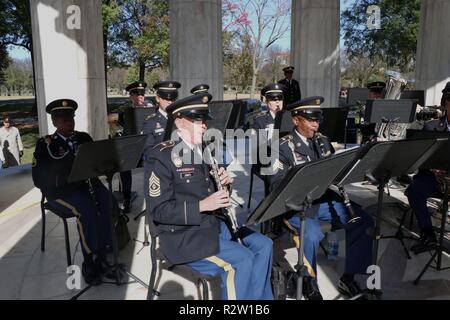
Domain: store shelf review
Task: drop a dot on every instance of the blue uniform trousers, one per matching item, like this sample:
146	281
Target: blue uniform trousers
93	224
358	240
245	270
424	186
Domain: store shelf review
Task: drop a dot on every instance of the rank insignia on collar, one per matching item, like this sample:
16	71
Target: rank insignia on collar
154	183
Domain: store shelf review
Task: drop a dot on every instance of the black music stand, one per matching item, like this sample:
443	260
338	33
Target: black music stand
301	185
418	95
357	96
383	161
283	123
335	124
105	158
439	160
390	112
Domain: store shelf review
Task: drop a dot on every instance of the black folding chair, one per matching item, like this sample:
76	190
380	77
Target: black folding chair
183	270
45	205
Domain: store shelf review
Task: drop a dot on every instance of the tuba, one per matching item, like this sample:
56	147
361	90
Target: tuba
393	131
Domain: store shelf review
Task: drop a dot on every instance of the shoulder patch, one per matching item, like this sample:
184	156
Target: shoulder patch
164	145
287	138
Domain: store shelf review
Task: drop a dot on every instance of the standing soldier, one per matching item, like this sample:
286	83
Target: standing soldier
292	91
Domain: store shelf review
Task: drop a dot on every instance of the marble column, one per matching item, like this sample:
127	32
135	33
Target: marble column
196	45
315	48
433	50
69	61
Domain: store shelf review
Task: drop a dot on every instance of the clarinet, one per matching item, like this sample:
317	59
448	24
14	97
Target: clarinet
228	213
319	140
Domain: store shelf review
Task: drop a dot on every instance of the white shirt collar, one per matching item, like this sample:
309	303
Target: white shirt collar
162	112
272	114
196	148
304	139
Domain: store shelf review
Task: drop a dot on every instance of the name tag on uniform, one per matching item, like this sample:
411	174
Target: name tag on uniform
159	130
187	175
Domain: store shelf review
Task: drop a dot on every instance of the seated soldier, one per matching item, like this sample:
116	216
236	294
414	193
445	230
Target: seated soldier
298	148
185	207
426	184
155	124
137	100
88	201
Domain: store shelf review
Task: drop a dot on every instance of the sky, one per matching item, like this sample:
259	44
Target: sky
285	43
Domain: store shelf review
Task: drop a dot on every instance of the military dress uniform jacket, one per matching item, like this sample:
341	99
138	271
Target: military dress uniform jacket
52	163
154	127
175	189
440	125
290	146
263	125
266	124
263	121
292	91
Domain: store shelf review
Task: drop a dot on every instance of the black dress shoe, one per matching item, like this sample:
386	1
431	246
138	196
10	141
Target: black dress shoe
349	288
311	289
426	242
126	206
91	274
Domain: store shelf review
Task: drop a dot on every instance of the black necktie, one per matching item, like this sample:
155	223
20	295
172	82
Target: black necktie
71	142
313	149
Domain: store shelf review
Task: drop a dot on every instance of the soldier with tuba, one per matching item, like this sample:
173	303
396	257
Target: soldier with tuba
304	145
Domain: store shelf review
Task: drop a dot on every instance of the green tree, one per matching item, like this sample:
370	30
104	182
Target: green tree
15	29
19	77
395	42
238	62
360	70
137	32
